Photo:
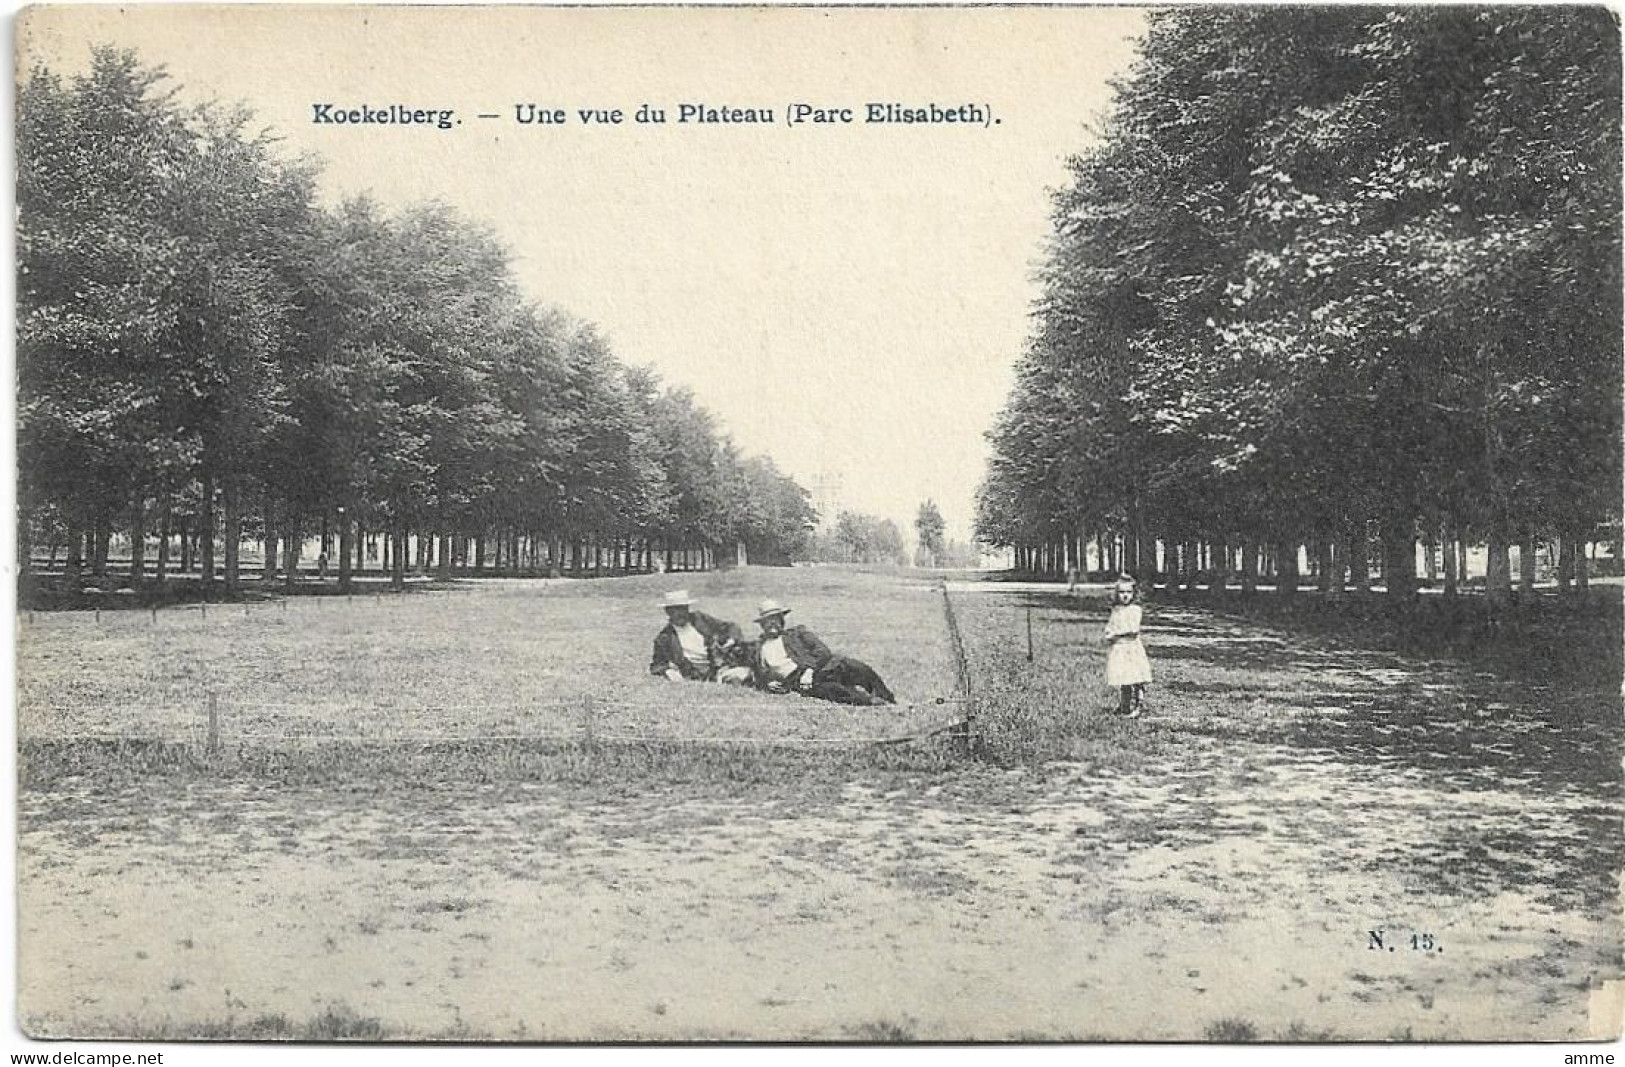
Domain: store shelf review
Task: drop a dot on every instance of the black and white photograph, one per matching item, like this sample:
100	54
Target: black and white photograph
876	525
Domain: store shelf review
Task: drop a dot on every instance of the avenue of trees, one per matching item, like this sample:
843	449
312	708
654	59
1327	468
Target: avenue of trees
1331	281
858	537
209	357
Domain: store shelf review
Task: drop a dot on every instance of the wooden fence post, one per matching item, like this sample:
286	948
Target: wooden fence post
588	714
962	682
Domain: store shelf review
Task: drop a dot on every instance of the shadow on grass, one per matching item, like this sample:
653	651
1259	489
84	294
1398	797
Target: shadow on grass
43	763
1535	743
1476	728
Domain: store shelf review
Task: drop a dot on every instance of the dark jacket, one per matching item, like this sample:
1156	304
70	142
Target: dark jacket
802	645
669	650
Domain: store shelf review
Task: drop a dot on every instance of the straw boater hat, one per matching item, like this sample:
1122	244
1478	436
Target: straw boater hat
770	608
677	598
1127	584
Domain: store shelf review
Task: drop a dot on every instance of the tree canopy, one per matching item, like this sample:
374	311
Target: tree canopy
1325	267
201	342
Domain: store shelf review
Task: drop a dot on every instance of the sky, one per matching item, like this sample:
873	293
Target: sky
847	298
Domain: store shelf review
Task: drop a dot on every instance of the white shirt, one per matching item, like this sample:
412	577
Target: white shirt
1123	621
777	660
694	649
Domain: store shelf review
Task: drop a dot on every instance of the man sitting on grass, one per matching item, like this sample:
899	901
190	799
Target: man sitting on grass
795	658
694	646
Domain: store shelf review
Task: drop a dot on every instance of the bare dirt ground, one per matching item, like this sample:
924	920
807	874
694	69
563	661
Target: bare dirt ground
1213	871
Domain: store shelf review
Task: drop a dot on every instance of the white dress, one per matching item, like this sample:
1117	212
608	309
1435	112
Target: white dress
1126	662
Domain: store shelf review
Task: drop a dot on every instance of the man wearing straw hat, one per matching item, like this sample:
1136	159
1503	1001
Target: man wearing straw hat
794	658
693	645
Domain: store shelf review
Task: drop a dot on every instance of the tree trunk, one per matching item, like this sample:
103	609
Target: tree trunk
1430	549
1326	559
1498	569
290	546
73	568
161	573
1286	568
346	560
138	542
1452	577
233	531
186	546
1526	565
270	542
1220	583
397	573
205	533
1399	557
1582	570
479	553
1358	561
1249	567
100	537
25	544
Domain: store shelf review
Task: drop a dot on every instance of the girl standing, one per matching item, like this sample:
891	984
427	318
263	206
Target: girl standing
1127	667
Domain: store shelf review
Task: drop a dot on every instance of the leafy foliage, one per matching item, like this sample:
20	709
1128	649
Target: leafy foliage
196	334
1330	266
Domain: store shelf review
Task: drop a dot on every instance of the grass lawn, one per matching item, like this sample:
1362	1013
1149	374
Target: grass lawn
1214	870
485	659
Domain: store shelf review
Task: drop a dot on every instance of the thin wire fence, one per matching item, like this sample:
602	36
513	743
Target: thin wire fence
212	725
962	675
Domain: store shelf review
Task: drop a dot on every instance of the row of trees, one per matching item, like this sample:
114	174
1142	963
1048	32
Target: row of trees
207	354
1325	272
857	537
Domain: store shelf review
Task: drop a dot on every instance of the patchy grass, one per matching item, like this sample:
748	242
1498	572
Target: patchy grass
1268	699
1209	870
517	661
1543	635
335	1022
1231	1032
884	1032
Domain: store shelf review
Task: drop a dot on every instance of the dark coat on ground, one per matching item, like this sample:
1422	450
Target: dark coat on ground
802	645
841	679
669	650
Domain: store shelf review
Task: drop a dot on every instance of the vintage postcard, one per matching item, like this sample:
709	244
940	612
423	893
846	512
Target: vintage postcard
866	524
